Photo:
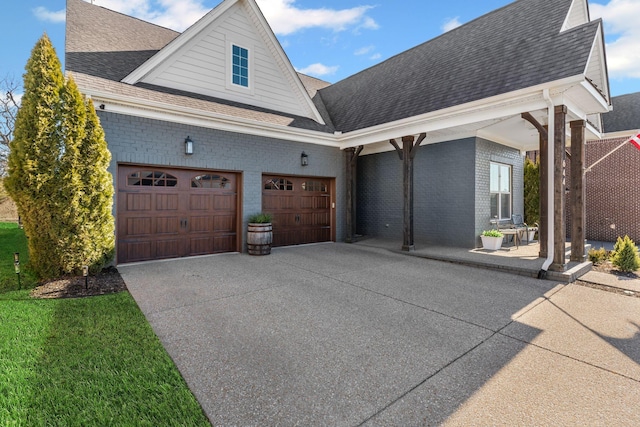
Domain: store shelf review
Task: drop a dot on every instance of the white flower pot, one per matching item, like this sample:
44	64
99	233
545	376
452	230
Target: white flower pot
532	234
491	243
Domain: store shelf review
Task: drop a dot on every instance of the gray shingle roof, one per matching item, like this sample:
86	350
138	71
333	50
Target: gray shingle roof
517	46
625	114
104	43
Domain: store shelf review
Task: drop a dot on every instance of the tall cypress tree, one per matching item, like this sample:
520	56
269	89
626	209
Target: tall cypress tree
34	152
531	192
58	171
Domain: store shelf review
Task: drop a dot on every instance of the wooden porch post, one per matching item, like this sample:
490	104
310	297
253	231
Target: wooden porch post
544	196
559	222
352	163
543	131
407	154
577	201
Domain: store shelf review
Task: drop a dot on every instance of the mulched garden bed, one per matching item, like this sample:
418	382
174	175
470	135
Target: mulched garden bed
108	281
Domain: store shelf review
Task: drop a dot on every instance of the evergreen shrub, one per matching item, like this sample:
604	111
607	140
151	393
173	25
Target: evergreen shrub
625	255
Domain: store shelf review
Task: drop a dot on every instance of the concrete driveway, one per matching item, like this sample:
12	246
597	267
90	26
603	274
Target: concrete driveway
346	335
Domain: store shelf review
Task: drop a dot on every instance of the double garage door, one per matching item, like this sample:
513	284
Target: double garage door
170	213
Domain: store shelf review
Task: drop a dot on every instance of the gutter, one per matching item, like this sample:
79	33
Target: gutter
550	184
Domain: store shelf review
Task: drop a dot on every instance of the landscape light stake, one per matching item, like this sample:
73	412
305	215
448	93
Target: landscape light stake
85	273
16	265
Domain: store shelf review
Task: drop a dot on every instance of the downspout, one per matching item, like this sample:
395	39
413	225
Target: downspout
550	183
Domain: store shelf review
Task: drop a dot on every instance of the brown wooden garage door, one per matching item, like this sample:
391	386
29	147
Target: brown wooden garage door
170	213
301	209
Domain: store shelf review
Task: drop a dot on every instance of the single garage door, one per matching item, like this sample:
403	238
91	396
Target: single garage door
301	209
170	213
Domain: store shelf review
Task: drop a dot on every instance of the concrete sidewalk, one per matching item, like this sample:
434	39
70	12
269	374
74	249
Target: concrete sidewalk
347	335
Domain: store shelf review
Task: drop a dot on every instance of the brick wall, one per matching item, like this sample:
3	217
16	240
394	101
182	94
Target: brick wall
487	152
451	198
152	142
613	191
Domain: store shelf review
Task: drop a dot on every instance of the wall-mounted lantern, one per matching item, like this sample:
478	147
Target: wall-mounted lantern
304	159
188	146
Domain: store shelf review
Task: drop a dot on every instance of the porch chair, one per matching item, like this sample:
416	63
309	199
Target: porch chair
521	226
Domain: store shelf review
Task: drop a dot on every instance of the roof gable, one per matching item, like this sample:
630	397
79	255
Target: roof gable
596	68
512	48
199	61
578	14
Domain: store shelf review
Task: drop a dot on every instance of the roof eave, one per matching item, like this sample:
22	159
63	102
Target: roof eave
502	105
132	106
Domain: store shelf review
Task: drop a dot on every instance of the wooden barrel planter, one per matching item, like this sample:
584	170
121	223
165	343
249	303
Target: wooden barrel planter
259	238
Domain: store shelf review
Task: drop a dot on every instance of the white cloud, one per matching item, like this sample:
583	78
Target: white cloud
285	18
364	50
175	14
450	24
283	15
44	14
318	70
367	50
623	53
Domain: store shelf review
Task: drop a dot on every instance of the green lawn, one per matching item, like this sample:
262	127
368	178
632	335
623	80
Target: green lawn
12	240
86	362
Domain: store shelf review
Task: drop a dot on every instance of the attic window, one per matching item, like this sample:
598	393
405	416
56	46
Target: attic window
240	62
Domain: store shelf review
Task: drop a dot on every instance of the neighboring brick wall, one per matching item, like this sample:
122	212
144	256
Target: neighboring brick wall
613	191
451	198
146	141
487	152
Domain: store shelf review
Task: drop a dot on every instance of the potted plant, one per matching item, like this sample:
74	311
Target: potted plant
491	239
259	234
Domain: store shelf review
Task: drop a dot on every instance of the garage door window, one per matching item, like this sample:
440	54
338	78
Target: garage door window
314	186
278	184
209	181
152	179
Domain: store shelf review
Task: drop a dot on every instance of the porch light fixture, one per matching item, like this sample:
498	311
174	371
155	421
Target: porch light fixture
85	274
188	146
304	159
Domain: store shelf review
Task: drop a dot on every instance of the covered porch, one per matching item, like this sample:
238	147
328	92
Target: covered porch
557	120
523	260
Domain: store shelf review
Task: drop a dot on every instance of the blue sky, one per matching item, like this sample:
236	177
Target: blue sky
330	39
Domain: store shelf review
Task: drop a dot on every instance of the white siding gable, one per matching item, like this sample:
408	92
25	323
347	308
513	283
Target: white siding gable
203	65
578	15
596	70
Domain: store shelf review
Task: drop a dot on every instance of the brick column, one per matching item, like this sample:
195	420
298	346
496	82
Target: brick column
578	195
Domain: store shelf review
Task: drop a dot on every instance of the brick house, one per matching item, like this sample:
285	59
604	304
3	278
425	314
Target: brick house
613	185
214	124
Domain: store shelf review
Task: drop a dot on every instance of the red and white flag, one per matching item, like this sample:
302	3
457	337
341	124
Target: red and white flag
635	140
